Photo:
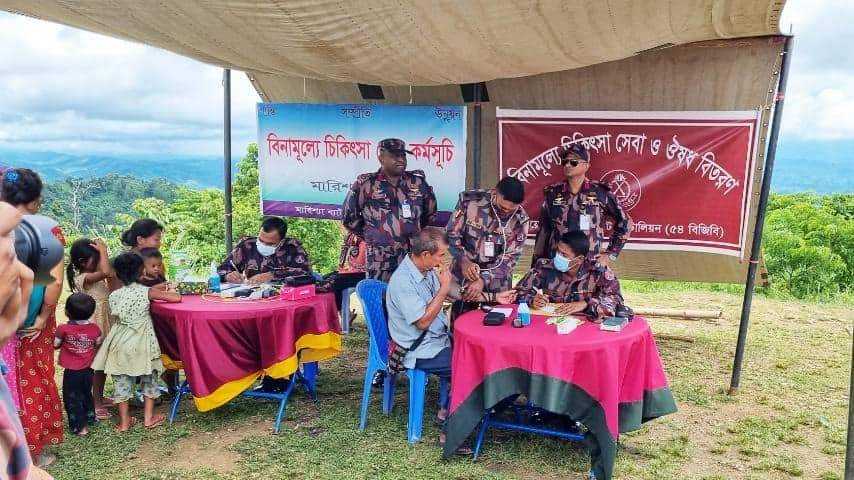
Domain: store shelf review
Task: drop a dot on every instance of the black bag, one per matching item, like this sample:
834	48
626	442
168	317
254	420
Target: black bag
397	353
493	319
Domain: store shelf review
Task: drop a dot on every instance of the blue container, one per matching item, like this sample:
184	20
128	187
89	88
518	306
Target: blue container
524	313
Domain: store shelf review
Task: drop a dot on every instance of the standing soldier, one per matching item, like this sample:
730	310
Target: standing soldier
486	234
581	204
386	208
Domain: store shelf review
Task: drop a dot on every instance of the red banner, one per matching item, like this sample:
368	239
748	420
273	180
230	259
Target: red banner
685	178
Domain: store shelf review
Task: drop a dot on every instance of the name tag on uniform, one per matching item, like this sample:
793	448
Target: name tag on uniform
488	249
584	222
405	210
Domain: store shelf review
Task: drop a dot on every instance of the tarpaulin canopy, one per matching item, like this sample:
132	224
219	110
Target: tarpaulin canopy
550	54
410	42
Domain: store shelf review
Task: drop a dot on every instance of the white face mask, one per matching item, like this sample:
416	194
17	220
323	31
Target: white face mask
264	249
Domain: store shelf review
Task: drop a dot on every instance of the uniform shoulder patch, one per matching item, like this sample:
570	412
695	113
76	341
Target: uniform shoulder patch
469	195
365	177
544	263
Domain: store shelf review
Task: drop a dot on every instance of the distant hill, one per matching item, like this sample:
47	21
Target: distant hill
200	171
821	167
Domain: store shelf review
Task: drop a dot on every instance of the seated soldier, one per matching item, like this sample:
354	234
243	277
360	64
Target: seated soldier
572	280
271	256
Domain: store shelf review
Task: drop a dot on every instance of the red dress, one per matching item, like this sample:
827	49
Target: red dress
41	406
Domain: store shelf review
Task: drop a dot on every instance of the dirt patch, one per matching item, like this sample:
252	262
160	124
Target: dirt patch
209	450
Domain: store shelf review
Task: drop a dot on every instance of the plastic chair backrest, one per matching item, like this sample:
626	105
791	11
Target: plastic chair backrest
371	294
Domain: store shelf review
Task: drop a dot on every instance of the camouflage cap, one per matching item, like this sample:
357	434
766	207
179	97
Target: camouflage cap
394	145
574	149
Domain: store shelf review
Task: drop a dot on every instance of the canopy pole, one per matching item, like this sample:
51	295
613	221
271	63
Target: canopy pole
476	126
849	451
760	215
226	152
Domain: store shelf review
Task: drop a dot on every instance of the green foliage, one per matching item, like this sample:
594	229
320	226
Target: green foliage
809	244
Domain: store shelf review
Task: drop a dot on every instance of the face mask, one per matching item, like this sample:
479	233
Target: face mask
563	264
264	249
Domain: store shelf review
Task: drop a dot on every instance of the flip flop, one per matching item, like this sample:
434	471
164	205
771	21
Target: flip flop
133	422
158	420
102	413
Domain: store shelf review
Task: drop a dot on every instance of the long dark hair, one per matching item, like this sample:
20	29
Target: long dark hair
144	227
80	254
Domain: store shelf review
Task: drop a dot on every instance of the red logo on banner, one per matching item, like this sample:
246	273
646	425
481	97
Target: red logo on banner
683	177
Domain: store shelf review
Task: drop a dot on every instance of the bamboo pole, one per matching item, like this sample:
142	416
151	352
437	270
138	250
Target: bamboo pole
677	313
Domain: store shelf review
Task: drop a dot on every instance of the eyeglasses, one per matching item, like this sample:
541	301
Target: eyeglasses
575	161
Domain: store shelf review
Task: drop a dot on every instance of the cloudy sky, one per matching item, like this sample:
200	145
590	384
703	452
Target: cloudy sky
69	90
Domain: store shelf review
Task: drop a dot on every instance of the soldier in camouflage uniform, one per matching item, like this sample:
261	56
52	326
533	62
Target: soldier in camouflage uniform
581	204
571	278
271	256
387	207
486	234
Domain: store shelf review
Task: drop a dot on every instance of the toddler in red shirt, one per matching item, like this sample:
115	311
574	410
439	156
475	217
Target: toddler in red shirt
78	342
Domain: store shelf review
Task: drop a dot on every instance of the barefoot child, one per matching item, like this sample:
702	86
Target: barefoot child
77	342
130	351
90	272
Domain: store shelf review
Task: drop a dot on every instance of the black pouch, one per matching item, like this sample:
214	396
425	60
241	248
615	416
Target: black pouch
493	319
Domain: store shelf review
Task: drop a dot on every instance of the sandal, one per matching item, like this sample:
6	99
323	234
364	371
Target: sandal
156	421
101	413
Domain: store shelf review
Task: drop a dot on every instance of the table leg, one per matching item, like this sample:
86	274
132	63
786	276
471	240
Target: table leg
309	375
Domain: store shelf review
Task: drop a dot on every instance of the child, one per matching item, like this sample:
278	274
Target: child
153	267
89	271
130	351
77	341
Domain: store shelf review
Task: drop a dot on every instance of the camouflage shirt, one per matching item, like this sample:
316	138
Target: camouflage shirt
478	233
590	210
351	259
595	284
289	259
386	216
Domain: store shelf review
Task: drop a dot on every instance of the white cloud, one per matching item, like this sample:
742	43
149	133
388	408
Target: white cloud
69	90
820	90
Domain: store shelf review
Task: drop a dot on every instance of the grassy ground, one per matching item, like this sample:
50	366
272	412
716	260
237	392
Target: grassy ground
788	421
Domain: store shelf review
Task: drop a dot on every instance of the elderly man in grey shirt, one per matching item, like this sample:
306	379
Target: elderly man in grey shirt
415	296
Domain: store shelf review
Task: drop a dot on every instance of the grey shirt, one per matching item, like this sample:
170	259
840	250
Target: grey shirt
409	293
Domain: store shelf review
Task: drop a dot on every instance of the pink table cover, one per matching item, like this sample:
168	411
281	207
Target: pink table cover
612	382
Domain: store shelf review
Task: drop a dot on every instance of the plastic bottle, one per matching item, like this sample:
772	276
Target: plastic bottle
524	313
214	283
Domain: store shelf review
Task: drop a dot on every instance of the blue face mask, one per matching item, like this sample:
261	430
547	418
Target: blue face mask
563	264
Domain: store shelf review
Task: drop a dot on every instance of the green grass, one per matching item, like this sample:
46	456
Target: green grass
788	421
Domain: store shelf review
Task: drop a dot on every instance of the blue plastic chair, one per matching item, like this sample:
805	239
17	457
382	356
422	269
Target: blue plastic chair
371	293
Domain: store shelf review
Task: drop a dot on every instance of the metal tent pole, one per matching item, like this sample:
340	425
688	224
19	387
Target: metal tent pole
476	125
226	151
849	451
760	215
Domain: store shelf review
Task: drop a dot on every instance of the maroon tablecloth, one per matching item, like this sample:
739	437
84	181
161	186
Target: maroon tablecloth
225	346
611	382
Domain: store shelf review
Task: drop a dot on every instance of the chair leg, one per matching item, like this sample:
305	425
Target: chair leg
309	375
281	413
366	398
417	390
484	426
345	311
176	402
389	384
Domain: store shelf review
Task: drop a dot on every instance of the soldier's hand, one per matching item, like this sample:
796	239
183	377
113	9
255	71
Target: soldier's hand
540	301
506	297
471	271
571	308
473	291
261	278
234	277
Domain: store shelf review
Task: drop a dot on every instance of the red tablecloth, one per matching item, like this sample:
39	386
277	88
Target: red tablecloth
224	347
611	382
